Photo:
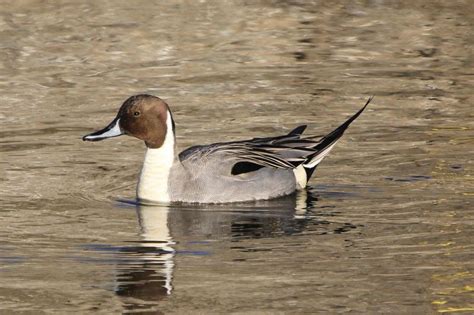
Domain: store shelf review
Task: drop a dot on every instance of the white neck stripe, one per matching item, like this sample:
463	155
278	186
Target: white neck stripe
153	183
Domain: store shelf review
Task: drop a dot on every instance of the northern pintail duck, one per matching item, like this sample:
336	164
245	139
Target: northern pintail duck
259	168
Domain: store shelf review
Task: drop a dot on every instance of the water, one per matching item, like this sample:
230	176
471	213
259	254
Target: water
385	226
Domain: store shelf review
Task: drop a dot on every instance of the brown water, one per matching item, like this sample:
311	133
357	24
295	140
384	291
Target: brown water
386	226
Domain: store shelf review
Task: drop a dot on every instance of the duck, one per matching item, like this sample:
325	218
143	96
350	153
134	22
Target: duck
224	172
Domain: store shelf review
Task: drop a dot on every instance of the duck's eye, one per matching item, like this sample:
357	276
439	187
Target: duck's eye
136	114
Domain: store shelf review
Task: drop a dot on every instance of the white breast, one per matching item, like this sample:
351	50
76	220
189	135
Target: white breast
153	183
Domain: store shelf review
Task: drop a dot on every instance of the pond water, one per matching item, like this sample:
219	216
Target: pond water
386	225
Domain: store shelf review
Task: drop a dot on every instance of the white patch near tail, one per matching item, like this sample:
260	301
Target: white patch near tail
300	176
300	173
153	182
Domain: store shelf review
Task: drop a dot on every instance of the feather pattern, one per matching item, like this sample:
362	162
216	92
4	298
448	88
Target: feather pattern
280	152
283	152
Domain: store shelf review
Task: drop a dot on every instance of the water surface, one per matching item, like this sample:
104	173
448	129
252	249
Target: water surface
386	225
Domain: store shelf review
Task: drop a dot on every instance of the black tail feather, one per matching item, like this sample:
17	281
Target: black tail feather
309	171
332	137
339	131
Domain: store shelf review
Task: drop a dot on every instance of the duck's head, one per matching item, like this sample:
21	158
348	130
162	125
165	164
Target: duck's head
142	116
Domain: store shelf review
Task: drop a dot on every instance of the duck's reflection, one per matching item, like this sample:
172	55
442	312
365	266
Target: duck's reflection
145	277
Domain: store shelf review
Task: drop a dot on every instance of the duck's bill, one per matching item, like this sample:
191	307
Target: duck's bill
112	130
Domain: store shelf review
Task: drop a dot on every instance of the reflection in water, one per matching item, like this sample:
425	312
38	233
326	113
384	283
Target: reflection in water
145	270
148	278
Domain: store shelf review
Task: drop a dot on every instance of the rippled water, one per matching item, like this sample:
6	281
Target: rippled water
386	226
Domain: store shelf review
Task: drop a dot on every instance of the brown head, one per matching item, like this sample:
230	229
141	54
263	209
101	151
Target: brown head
142	116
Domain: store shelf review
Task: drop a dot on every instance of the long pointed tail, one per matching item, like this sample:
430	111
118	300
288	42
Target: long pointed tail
327	143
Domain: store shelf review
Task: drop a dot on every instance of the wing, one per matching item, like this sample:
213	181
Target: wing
284	152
